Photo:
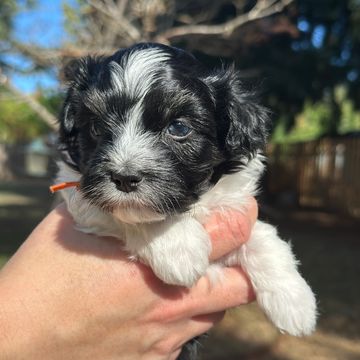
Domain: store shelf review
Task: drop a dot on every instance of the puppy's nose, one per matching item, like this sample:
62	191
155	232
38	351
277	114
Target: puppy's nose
126	182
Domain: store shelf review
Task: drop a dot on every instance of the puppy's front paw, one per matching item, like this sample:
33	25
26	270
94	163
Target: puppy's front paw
291	309
184	269
177	249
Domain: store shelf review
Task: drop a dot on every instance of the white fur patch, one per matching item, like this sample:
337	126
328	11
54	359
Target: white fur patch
133	146
281	292
88	218
231	191
137	73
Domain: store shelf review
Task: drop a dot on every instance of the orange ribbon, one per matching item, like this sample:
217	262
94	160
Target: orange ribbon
64	185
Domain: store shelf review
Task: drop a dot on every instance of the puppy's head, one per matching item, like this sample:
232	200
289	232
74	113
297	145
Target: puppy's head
150	129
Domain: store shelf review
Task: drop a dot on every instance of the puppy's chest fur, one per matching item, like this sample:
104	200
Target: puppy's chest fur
177	234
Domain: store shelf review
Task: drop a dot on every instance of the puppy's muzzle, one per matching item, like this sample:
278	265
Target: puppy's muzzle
126	182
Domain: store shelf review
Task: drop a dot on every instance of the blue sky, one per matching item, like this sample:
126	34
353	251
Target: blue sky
41	25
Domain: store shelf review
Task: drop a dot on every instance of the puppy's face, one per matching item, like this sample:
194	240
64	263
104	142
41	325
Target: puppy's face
150	129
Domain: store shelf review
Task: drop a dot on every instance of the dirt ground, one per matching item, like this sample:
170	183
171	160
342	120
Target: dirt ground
327	245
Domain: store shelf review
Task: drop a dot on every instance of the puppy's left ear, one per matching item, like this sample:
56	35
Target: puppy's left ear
242	122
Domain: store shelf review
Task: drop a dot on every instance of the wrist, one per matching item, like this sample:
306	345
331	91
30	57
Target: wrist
9	337
19	333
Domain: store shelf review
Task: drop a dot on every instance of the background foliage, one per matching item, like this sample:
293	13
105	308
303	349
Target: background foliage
18	122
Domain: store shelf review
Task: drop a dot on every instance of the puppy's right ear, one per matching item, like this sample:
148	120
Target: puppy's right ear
78	75
68	144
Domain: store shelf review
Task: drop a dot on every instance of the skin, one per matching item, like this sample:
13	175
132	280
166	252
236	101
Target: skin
68	295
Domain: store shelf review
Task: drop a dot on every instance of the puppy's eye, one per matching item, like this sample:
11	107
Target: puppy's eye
178	130
94	131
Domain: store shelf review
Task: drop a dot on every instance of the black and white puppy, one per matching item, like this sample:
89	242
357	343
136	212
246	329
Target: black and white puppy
157	141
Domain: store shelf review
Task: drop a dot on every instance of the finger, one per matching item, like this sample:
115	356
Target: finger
175	354
201	324
233	290
230	229
197	326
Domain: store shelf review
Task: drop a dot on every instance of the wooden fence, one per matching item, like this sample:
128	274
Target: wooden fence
323	173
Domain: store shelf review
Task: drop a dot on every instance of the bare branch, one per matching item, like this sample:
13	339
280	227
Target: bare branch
148	12
40	57
122	7
114	14
263	8
45	58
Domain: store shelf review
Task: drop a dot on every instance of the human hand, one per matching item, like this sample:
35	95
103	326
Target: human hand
68	295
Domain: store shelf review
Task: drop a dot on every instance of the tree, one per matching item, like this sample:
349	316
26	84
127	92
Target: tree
323	56
303	49
8	9
105	25
18	122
